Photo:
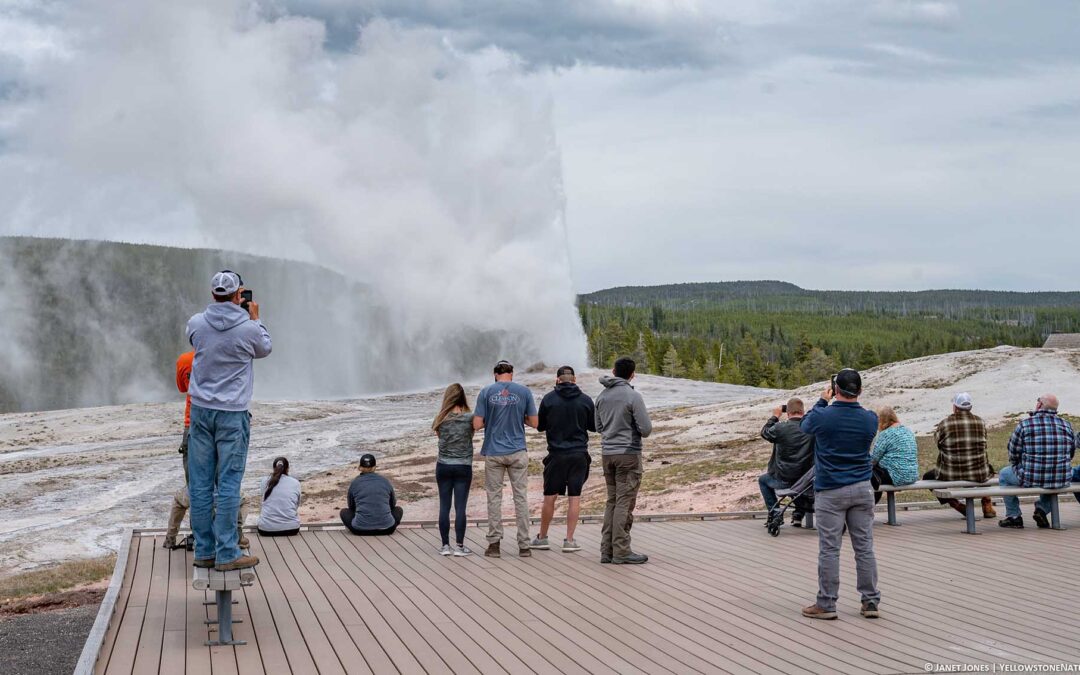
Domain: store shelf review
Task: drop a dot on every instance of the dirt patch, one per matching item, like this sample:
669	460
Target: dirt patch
90	595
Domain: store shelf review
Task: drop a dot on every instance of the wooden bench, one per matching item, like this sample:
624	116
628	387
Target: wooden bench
932	485
969	495
223	584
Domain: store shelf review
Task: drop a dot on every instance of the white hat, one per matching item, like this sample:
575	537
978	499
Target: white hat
962	401
225	283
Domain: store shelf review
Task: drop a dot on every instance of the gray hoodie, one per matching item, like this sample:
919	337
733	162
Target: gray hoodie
226	341
621	417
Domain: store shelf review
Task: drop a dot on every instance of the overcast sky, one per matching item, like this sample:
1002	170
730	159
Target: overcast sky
857	144
835	144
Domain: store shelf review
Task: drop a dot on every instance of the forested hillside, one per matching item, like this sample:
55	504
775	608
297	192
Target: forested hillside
775	334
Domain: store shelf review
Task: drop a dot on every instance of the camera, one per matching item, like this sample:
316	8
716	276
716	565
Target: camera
783	408
246	296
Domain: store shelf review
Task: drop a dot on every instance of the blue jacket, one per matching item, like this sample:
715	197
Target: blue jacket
842	435
226	341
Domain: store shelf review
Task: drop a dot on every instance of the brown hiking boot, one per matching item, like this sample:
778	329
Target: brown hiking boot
524	553
988	508
169	543
815	612
955	503
493	551
205	563
241	563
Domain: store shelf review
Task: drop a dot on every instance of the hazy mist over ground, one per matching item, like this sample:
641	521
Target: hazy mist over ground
430	174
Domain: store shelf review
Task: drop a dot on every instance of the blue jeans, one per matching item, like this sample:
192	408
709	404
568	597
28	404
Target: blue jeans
217	457
768	486
1007	478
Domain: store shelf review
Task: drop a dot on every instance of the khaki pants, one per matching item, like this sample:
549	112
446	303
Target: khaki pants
181	504
495	467
623	476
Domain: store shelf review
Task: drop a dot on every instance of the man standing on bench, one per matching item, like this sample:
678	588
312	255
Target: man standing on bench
1040	455
961	444
843	495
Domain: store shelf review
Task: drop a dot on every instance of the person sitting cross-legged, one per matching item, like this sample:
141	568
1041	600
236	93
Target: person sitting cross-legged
373	509
1040	455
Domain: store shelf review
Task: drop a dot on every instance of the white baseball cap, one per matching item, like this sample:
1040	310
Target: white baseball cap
962	401
225	283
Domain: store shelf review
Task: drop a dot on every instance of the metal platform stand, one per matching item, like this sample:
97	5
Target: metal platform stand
223	584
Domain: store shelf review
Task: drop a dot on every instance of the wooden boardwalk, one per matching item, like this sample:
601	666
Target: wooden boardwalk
716	596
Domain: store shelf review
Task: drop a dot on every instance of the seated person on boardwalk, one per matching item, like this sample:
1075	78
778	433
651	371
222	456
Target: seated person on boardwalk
961	444
454	467
373	509
792	454
843	497
567	415
279	516
1040	455
895	454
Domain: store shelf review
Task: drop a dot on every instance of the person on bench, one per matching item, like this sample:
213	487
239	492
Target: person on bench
1040	455
279	516
895	454
373	509
961	443
792	454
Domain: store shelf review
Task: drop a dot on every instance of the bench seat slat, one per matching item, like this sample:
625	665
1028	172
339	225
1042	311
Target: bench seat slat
971	493
936	485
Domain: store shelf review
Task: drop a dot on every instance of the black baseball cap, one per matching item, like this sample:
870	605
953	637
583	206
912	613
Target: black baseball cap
565	370
367	461
504	366
849	382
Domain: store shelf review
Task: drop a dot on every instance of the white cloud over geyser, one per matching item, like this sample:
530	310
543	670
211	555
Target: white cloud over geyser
431	173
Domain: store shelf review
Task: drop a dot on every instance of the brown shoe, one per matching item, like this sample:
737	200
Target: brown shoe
955	503
524	553
493	551
988	508
243	542
241	563
205	563
815	612
169	543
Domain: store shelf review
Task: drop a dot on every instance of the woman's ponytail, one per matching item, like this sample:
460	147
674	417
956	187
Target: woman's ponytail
281	468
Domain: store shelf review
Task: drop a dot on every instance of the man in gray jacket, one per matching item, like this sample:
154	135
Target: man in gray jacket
227	339
622	420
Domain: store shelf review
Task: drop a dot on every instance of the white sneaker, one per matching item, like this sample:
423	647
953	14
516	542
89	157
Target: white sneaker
570	546
461	551
445	550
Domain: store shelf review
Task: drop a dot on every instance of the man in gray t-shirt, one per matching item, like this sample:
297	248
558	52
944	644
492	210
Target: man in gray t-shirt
373	508
503	410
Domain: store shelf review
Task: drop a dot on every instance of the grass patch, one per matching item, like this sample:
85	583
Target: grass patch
60	577
669	477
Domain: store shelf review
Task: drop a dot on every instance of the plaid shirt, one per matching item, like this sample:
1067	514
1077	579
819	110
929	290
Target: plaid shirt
1041	450
961	442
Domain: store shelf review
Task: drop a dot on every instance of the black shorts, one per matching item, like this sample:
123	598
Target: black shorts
565	473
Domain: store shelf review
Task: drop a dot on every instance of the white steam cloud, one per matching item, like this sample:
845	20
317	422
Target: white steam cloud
429	173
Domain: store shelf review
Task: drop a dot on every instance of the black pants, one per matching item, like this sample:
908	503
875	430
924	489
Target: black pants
880	477
347	516
454	481
278	533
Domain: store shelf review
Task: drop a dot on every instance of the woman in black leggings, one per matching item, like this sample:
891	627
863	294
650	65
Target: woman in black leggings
453	470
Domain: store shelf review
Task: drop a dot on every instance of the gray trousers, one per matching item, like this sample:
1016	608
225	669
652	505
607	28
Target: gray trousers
851	505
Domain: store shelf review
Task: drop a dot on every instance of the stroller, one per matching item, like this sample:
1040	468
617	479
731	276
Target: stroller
800	496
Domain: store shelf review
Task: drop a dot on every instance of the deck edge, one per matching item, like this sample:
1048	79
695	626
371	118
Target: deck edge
92	648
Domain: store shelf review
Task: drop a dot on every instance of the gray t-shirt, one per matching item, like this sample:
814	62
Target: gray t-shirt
504	406
371	496
456	439
279	511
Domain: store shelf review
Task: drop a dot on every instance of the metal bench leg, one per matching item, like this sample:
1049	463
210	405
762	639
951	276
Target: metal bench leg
970	512
225	621
891	496
1055	514
808	521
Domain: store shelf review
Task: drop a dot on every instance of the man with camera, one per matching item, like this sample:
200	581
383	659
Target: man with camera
227	338
792	455
843	433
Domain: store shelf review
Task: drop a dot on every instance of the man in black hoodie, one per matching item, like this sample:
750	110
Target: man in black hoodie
567	415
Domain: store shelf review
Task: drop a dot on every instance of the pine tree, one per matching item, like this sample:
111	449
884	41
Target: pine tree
673	367
710	371
802	352
695	371
641	355
750	361
868	357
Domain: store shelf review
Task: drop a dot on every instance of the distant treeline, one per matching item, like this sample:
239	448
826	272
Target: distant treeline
775	334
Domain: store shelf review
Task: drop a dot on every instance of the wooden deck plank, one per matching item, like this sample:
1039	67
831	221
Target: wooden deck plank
118	612
173	658
148	656
265	629
196	653
277	609
127	638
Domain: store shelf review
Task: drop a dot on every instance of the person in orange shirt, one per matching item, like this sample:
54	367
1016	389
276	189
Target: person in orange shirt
182	499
